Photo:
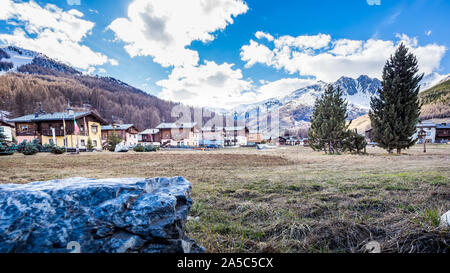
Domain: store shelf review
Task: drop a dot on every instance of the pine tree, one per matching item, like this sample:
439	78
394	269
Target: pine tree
328	126
4	149
113	140
89	145
395	113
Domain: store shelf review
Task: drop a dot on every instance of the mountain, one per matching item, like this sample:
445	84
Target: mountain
296	108
28	78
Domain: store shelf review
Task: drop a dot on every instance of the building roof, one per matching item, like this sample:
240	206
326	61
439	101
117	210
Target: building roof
443	126
118	127
186	125
5	123
426	124
56	116
149	132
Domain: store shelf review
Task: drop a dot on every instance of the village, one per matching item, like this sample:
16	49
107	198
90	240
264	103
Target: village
73	130
88	131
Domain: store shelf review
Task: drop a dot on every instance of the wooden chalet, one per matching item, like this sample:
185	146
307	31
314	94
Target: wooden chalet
49	128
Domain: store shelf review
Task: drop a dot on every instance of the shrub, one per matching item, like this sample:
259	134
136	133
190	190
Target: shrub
139	148
57	150
21	146
30	149
150	148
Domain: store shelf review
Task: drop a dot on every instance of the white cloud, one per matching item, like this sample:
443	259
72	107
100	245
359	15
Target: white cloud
50	30
428	33
282	87
256	53
215	85
157	29
208	84
326	59
113	62
259	35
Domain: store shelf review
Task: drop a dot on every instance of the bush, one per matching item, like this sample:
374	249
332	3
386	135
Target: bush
21	146
139	148
56	150
151	148
30	149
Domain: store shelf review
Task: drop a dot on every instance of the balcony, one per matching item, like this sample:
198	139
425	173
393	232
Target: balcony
48	132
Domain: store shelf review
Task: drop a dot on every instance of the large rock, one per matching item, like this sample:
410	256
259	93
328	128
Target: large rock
120	148
104	215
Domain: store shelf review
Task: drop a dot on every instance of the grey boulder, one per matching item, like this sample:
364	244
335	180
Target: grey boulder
96	216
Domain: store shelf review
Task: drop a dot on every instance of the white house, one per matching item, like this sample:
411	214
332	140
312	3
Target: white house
429	128
7	130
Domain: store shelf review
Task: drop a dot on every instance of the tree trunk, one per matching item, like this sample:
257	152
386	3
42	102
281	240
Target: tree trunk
399	151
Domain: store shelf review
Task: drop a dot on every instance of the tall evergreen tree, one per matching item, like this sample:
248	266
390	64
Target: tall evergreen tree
328	121
395	112
4	149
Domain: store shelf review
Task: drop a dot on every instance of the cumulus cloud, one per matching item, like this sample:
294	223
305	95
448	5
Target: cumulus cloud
260	35
326	59
281	88
208	84
157	29
52	31
215	85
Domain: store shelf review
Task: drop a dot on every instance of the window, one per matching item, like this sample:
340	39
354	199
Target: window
94	143
65	142
50	141
83	142
428	133
82	128
94	129
24	127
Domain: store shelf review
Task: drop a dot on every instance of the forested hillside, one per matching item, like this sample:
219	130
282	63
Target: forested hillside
21	93
436	101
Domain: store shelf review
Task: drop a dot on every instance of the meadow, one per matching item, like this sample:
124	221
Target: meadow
290	199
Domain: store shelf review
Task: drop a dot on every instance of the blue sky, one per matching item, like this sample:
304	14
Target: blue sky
224	53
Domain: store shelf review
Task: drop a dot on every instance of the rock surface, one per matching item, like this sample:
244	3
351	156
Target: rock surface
445	219
120	148
96	215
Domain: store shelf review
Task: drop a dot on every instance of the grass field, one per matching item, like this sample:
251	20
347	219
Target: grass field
286	200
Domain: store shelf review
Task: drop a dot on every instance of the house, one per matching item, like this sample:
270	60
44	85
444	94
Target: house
212	136
8	130
292	141
127	132
179	134
235	135
430	130
254	137
442	133
50	128
149	136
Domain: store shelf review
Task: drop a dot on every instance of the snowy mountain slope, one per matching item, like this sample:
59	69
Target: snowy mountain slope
16	59
295	109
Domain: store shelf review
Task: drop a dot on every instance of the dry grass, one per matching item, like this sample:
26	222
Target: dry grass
286	200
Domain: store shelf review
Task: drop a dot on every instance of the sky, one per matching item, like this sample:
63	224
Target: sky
223	53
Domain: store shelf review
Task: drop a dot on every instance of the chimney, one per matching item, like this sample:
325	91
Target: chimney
36	114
